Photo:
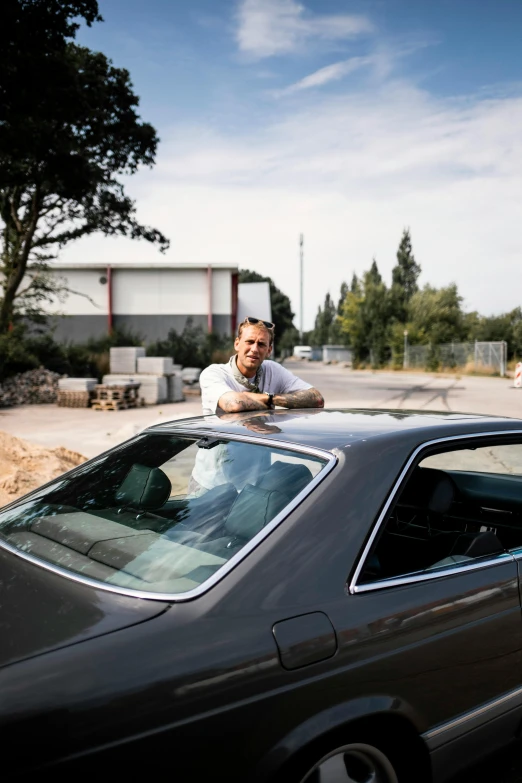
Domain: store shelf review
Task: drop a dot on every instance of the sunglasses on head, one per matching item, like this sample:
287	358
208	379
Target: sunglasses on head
249	319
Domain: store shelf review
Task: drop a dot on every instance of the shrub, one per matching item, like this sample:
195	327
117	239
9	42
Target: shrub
193	347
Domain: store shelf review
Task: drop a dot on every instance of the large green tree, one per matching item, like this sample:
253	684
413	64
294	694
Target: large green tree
404	278
69	129
436	315
324	322
376	314
365	317
282	314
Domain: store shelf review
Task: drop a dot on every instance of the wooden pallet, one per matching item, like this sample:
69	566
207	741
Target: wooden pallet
115	398
74	399
192	391
109	405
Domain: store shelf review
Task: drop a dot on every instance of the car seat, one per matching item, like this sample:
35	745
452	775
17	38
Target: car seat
142	490
255	506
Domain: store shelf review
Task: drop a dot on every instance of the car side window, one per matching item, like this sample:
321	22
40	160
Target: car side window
456	507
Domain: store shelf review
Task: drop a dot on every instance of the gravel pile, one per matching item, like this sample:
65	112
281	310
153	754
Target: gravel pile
31	387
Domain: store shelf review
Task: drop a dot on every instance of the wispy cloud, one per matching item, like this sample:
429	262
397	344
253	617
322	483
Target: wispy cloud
273	27
329	73
350	171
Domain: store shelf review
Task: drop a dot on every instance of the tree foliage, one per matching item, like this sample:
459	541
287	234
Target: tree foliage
325	322
437	316
193	347
23	348
404	278
365	317
373	318
282	314
69	128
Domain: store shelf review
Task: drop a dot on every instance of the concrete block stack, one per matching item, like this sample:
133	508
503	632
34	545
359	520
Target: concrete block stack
190	378
153	388
160	379
124	369
124	360
175	387
155	365
163	365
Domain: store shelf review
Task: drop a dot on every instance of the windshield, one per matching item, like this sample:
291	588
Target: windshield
161	514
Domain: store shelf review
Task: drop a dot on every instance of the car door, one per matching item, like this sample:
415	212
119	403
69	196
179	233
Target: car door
435	618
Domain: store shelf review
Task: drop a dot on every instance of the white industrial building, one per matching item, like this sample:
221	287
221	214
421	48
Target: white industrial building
152	298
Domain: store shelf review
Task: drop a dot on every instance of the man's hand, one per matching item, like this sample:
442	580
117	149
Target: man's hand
306	398
236	402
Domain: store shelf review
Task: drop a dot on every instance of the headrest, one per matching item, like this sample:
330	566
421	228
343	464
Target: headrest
477	544
144	488
286	477
253	509
430	489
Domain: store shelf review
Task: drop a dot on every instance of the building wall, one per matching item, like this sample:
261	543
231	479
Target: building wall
78	328
336	353
90	297
149	301
159	291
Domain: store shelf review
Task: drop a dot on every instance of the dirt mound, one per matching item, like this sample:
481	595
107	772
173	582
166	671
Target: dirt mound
25	466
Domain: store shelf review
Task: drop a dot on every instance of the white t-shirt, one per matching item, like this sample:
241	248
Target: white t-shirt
217	379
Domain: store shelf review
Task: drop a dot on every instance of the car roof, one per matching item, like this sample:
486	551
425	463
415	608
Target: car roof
331	429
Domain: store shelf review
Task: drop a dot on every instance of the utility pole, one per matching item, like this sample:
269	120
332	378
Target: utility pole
301	242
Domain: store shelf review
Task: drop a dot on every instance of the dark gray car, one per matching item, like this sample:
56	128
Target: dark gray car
319	596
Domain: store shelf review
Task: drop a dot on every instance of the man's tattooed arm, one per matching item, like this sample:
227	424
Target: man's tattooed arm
235	402
306	398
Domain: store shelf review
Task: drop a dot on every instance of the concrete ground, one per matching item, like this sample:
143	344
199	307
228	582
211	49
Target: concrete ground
91	432
85	430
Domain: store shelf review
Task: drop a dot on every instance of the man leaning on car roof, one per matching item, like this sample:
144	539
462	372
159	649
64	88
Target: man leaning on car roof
250	381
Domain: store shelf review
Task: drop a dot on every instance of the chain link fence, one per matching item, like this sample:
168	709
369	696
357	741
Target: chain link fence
477	356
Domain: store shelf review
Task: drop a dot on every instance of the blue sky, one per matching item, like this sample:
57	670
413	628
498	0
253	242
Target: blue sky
346	121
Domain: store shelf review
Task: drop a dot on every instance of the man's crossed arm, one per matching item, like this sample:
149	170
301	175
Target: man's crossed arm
235	402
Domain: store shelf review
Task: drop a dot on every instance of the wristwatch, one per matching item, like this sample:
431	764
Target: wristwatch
270	402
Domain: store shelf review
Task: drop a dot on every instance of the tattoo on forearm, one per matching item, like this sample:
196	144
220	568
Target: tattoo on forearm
307	398
242	403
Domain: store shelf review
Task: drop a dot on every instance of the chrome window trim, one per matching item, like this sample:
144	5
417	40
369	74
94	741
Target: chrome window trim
472	715
331	461
354	588
423	576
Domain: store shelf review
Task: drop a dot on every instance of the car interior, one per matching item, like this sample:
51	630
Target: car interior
145	538
444	518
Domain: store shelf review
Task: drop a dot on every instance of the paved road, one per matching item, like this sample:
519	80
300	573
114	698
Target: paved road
342	386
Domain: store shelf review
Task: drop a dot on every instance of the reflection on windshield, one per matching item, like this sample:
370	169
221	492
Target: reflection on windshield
161	514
